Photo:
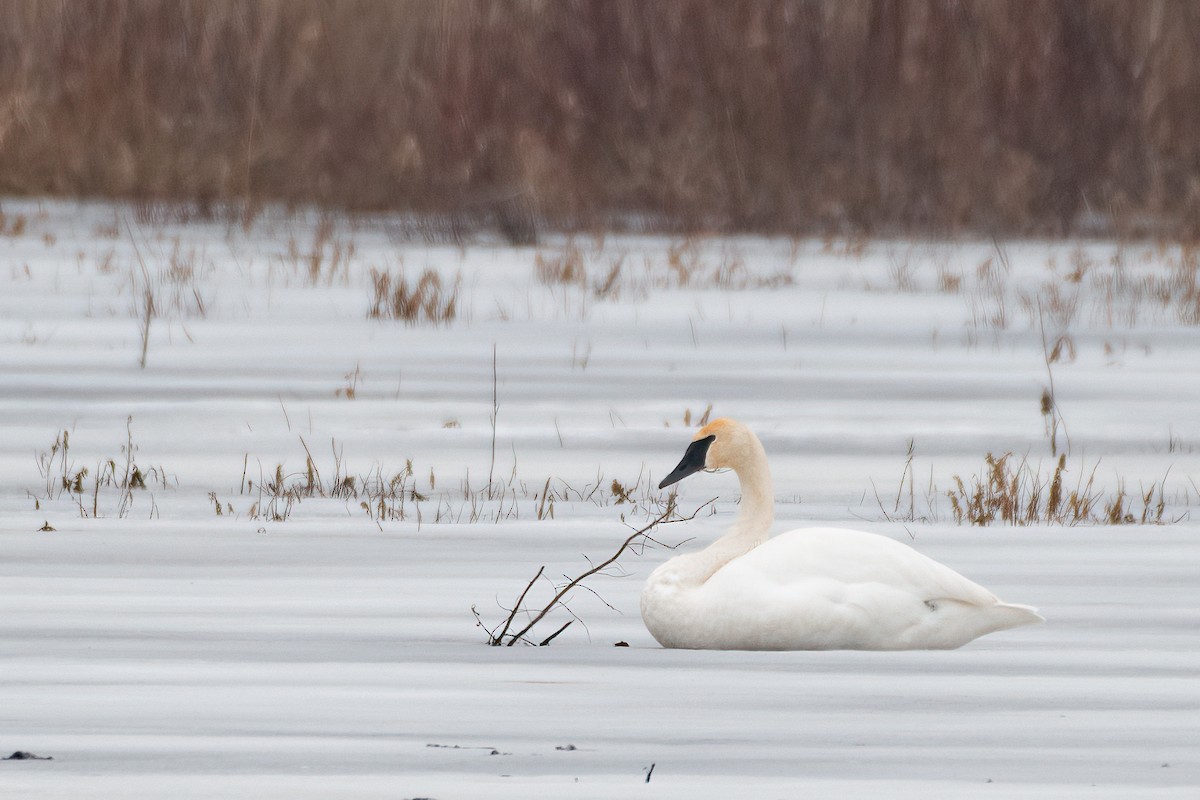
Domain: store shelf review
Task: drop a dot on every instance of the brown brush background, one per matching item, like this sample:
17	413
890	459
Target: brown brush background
1021	117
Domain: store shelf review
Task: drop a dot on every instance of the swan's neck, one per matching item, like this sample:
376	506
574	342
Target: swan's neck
755	516
757	510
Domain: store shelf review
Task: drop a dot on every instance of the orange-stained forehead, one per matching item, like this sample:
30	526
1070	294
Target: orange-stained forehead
711	429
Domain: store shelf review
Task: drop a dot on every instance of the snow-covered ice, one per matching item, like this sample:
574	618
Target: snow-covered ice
160	650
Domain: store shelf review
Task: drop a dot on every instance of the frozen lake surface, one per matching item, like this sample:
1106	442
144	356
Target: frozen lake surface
303	646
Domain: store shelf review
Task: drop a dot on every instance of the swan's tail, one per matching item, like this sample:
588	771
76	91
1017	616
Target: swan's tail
1012	615
955	622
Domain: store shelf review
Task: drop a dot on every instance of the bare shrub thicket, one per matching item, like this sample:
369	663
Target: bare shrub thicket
800	114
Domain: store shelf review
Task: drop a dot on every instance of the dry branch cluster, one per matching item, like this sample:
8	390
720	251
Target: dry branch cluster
509	632
797	114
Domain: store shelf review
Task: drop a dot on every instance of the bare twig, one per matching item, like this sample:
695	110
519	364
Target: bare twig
495	413
1050	398
551	637
496	640
314	475
479	622
127	481
285	414
147	297
597	594
1002	253
148	314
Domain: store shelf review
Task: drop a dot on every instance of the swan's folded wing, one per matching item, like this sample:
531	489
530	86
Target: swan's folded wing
851	557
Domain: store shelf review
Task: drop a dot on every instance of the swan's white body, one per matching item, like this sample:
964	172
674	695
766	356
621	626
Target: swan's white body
812	588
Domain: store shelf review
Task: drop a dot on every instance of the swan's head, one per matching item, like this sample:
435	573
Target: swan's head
719	444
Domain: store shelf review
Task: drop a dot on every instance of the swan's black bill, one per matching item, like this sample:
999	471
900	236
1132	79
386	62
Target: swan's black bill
693	461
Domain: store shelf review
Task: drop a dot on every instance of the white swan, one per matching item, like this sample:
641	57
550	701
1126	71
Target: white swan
807	589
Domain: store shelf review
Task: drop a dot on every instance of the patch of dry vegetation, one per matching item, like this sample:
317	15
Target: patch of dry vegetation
1114	289
600	277
327	259
173	285
1115	293
795	115
406	495
1010	490
13	226
428	299
92	491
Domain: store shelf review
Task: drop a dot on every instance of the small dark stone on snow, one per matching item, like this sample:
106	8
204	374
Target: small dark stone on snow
621	644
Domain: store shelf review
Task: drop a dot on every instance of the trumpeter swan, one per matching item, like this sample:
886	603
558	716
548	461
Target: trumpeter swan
807	589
